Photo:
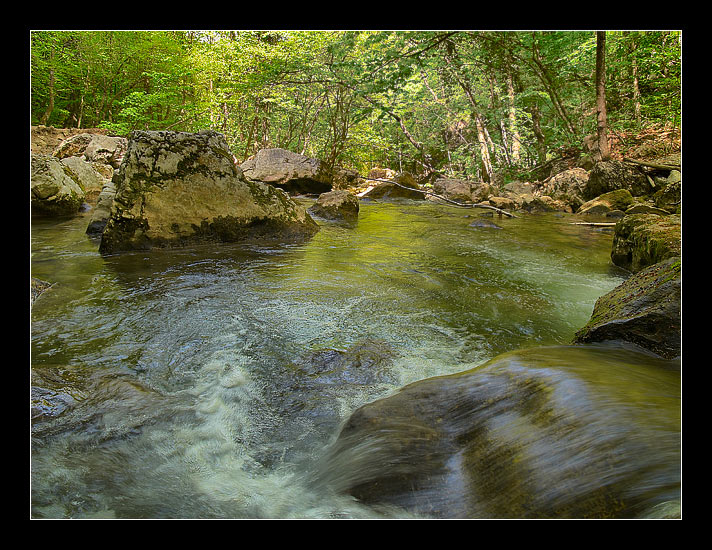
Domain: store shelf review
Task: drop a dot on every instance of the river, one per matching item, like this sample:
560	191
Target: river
165	373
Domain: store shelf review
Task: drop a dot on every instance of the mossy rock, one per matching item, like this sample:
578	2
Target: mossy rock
644	310
177	188
620	199
641	240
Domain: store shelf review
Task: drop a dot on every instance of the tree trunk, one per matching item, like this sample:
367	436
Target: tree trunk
513	128
50	106
601	96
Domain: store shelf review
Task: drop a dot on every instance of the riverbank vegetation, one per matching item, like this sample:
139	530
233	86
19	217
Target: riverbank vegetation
482	105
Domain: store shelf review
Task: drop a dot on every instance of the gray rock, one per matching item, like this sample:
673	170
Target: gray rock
176	188
55	189
290	171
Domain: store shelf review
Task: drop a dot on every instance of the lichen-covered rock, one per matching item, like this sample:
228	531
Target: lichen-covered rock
90	177
336	205
102	211
641	240
644	310
669	197
93	148
290	171
55	189
567	186
581	431
404	188
620	199
346	179
174	188
611	175
462	190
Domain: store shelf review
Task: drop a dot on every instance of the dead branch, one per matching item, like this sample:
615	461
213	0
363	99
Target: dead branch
449	201
653	165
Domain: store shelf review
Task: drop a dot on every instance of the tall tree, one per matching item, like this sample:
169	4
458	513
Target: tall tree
601	115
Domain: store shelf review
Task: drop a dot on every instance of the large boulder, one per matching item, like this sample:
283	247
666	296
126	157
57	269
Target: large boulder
614	174
290	171
567	186
641	240
55	190
585	431
175	188
644	310
462	190
91	176
403	186
94	148
336	205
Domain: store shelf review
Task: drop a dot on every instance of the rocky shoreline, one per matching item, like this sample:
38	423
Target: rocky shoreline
160	189
173	188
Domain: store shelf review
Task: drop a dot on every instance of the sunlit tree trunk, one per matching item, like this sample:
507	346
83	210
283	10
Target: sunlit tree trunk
602	124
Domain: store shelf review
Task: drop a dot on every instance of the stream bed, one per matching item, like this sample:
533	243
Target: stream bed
192	383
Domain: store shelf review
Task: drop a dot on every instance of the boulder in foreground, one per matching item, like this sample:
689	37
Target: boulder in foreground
176	188
556	432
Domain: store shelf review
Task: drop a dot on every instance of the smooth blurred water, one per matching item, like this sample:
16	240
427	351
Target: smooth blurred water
178	361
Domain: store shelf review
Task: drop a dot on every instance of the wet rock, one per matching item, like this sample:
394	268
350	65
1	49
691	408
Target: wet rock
484	224
644	310
102	211
336	205
406	188
641	240
37	288
561	432
177	188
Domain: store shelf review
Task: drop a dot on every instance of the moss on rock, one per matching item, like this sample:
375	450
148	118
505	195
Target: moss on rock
644	310
641	240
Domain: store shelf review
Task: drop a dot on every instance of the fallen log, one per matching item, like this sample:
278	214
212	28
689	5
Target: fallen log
596	224
654	165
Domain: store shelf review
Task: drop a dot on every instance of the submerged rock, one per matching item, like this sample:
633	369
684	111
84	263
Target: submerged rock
560	432
175	188
644	310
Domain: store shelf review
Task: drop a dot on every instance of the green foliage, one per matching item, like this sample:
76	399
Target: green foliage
398	99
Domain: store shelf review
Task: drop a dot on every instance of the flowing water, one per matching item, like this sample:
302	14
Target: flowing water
167	376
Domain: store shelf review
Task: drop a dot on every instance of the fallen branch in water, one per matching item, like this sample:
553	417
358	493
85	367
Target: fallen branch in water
454	203
597	224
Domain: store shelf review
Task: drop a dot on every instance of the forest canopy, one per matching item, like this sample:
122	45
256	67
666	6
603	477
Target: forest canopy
463	103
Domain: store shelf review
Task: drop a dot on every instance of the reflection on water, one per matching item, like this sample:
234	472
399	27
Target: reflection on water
191	382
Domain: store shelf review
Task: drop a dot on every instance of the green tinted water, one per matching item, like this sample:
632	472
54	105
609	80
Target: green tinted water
170	363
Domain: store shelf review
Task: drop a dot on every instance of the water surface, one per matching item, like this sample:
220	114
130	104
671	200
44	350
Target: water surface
175	369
